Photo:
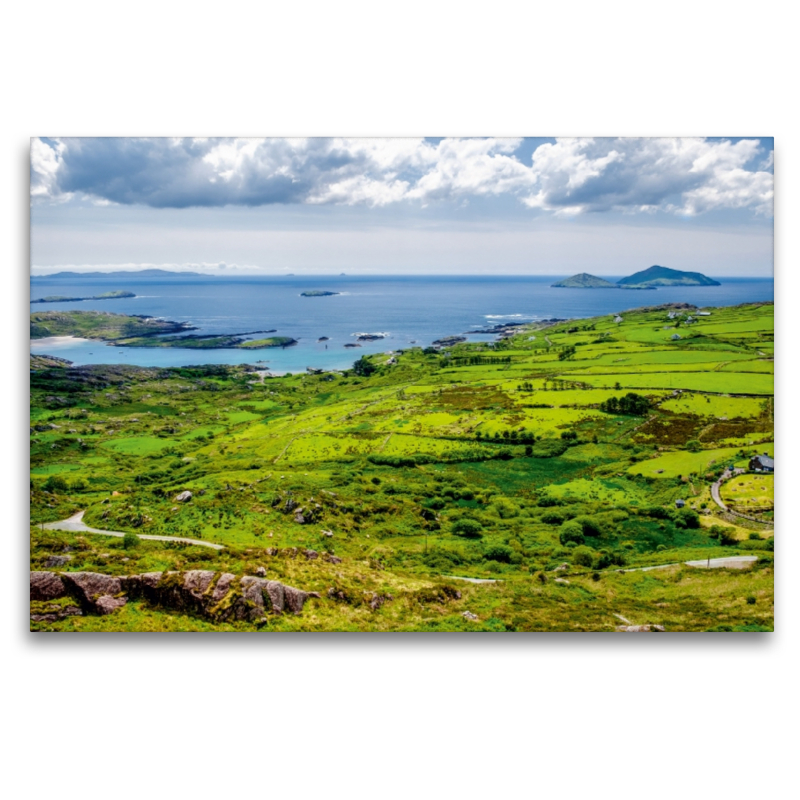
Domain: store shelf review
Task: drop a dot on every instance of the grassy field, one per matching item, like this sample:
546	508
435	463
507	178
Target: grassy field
557	457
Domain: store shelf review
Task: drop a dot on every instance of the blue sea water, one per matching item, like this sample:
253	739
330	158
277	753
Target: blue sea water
408	309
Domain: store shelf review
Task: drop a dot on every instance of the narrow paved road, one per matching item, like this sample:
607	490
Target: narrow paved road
76	523
732	562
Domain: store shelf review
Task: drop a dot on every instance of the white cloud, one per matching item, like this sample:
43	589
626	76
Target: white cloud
567	177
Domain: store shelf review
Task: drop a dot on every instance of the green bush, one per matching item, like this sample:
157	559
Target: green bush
469	528
130	540
499	552
55	483
583	556
552	518
686	518
589	525
571	531
751	601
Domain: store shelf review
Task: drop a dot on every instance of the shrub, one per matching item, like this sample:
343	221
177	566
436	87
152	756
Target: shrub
504	508
469	528
55	483
751	601
499	552
589	525
583	556
727	538
130	540
754	535
571	531
363	367
693	446
687	518
552	518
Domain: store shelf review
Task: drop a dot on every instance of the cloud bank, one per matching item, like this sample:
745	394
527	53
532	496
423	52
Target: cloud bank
685	176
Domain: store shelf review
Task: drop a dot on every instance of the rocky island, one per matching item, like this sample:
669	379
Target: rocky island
316	293
664	276
58	298
649	278
585	281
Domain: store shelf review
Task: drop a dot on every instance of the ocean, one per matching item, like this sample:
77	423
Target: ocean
409	310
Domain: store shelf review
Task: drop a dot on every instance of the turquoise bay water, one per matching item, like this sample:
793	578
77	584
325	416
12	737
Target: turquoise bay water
407	309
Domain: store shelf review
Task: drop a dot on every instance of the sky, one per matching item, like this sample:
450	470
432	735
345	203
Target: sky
511	206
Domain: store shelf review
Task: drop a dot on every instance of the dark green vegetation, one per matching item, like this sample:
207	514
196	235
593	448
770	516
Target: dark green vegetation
664	276
57	298
495	461
315	293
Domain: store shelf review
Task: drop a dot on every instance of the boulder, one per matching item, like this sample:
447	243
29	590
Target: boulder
47	586
469	615
331	559
261	572
87	587
107	604
203	592
183	497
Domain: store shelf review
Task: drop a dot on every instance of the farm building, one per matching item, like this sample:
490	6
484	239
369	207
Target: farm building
762	464
675	336
703	313
680	503
618	319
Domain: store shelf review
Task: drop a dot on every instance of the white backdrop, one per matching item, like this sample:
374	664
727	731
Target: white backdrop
403	715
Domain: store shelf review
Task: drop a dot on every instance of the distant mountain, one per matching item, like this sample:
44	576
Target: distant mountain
585	281
664	276
139	273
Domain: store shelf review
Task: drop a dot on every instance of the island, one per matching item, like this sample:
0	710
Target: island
664	276
58	298
585	281
649	278
123	330
101	325
317	293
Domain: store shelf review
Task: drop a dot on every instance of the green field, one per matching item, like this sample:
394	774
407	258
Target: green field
542	461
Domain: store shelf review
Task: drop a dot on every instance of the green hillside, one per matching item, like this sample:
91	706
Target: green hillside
547	465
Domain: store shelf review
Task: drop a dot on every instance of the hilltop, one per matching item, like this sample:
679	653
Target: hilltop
664	276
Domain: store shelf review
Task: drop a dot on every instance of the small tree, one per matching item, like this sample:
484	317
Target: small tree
468	528
363	367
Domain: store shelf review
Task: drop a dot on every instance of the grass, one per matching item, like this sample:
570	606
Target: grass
391	464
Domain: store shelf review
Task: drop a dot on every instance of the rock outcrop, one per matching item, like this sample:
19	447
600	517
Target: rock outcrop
213	595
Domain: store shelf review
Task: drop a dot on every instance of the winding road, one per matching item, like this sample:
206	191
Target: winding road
76	524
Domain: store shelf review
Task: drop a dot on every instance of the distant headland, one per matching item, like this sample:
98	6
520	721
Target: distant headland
136	273
649	278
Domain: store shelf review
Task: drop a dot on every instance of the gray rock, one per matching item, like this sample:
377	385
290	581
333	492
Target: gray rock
57	561
183	497
107	604
261	572
469	615
641	629
47	586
